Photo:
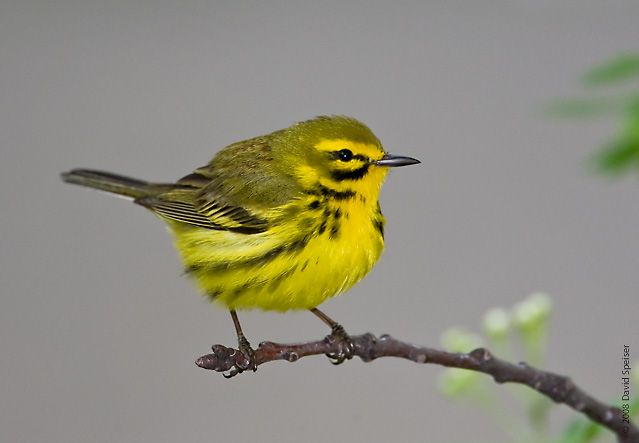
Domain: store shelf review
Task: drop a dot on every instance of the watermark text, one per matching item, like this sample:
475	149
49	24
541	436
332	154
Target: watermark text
625	384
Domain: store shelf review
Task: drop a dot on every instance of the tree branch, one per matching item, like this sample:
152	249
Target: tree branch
559	388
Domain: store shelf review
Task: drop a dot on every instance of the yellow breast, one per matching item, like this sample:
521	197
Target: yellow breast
327	247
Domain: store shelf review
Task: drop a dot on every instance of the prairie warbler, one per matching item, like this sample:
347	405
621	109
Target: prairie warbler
281	221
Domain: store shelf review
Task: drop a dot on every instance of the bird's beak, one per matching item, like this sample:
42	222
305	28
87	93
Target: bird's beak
390	161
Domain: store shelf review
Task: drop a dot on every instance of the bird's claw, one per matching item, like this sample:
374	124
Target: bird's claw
346	347
250	362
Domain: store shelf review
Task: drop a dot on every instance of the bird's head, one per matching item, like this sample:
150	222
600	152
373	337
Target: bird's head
340	154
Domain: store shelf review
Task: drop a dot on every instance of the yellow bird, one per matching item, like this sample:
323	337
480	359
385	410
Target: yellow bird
277	222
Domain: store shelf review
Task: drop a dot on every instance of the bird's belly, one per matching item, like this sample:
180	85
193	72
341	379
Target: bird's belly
280	270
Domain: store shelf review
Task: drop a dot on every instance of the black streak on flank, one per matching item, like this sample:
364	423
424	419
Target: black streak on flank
379	226
334	233
251	283
355	174
263	259
214	293
298	245
238	291
276	252
269	256
273	285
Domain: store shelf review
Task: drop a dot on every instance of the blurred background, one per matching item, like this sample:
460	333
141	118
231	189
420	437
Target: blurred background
99	331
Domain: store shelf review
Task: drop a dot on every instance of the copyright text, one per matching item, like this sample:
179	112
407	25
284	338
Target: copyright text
625	383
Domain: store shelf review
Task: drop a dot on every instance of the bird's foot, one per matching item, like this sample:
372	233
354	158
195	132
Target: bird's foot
250	362
346	347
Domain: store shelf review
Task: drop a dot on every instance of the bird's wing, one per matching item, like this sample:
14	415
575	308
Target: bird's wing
199	199
242	189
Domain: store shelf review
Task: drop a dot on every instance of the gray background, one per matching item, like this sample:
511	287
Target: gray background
98	331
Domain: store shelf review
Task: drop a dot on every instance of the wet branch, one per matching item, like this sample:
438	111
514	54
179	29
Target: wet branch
558	388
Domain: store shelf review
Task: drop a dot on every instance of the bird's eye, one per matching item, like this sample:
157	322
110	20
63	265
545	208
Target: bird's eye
344	155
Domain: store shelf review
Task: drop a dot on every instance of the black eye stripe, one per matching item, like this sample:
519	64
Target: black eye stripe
354	174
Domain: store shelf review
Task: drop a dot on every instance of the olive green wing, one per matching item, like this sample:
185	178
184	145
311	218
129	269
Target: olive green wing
237	191
193	202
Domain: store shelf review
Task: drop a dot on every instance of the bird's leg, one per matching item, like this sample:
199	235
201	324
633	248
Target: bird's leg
346	349
244	347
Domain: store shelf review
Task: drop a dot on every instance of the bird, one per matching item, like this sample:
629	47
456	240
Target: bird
282	221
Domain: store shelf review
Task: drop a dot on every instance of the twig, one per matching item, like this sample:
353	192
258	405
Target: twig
559	388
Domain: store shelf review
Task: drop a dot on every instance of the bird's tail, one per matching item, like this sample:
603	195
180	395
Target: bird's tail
113	183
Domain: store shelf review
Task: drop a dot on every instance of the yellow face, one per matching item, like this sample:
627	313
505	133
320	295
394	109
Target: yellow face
345	166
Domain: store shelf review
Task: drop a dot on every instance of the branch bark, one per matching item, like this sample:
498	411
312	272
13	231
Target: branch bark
367	347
